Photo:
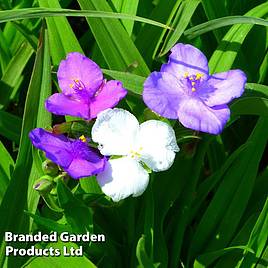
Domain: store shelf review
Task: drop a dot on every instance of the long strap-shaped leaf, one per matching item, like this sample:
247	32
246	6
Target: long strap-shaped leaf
37	12
114	42
15	199
222	22
223	58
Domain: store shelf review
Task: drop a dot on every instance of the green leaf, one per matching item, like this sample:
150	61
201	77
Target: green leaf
213	256
37	12
180	23
49	224
18	196
223	58
250	106
222	22
6	169
149	38
142	256
10	126
77	214
12	76
258	239
127	7
115	44
131	82
231	197
61	36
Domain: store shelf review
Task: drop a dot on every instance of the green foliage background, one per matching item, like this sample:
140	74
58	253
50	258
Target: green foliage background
210	209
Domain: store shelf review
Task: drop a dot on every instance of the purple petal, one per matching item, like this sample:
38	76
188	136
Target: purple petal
162	93
107	97
87	161
79	67
227	86
60	104
57	147
74	156
186	60
80	168
194	114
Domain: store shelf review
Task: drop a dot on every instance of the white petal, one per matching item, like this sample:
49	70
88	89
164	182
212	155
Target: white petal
123	177
115	131
158	144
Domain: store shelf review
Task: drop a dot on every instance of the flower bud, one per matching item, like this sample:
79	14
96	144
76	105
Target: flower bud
63	176
44	185
50	168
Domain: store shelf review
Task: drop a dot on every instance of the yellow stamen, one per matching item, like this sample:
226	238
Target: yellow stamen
71	85
193	89
76	80
186	74
198	76
83	138
193	83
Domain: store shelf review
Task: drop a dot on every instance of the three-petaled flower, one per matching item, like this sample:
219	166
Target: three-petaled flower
84	91
152	143
74	156
184	90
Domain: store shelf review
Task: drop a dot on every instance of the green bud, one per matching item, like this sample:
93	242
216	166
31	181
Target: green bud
50	168
63	176
44	185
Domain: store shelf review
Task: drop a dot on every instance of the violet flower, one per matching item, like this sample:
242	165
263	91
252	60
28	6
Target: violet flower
74	156
84	91
184	90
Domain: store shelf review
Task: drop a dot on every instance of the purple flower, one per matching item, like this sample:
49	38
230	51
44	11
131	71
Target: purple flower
84	92
184	90
74	156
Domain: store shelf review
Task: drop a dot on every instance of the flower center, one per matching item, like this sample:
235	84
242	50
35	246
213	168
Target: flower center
77	85
193	80
136	154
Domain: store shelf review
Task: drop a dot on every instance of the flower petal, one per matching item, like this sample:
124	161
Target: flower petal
79	67
80	168
186	59
162	93
123	177
60	104
57	147
194	114
108	97
226	86
115	131
157	150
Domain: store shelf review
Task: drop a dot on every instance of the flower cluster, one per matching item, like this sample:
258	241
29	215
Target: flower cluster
182	90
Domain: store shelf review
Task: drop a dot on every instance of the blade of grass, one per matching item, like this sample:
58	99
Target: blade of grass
15	198
127	7
6	169
213	231
37	12
115	44
223	58
10	126
13	73
180	23
222	22
61	36
258	239
132	82
149	38
250	106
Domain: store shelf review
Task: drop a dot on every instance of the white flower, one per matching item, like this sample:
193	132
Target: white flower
118	132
